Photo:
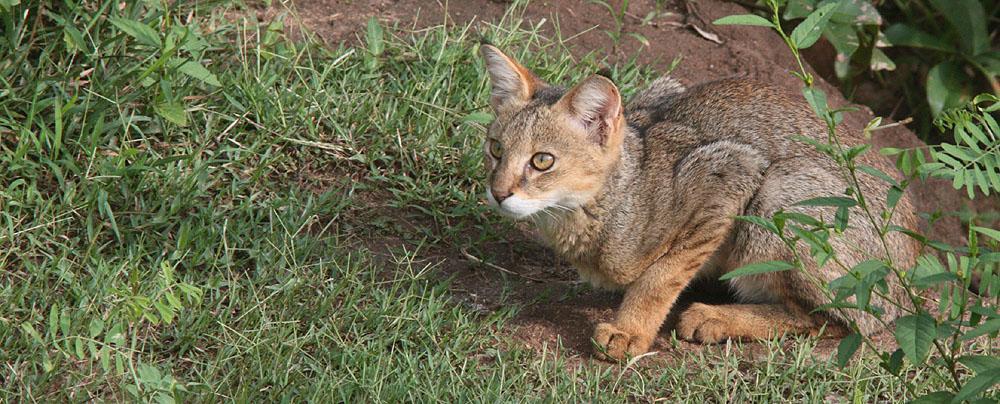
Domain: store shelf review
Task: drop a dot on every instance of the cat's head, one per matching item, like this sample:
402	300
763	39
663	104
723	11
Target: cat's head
549	148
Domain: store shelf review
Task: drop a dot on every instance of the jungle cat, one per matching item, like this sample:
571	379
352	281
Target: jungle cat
643	198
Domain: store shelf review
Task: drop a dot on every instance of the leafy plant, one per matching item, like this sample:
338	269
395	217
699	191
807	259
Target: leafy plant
944	45
951	37
854	31
178	52
972	160
151	384
945	345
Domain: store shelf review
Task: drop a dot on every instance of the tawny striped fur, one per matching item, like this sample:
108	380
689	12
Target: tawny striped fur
642	198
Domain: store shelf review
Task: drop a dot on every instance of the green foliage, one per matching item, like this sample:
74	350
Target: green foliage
227	259
375	42
851	26
972	160
230	258
744	19
950	338
915	333
808	31
950	55
950	39
758	268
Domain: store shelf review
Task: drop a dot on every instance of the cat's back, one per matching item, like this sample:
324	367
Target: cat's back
735	109
768	119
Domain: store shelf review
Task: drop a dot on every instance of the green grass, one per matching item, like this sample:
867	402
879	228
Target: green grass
206	234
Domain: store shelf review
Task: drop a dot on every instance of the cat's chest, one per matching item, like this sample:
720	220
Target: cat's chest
573	235
577	237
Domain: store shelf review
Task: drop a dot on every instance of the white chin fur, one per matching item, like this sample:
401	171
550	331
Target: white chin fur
516	207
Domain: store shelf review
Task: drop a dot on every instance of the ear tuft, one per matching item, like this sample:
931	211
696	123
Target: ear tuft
513	84
595	106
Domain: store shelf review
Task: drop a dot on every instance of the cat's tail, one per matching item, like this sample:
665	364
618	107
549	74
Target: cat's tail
658	93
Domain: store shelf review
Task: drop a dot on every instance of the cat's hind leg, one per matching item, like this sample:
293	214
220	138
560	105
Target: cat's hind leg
715	323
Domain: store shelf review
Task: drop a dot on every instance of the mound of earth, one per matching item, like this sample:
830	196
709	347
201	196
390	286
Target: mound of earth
558	309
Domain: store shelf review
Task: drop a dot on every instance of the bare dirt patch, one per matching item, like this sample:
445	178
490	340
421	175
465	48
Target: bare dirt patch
555	307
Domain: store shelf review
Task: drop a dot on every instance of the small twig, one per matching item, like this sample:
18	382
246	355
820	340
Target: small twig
323	19
653	21
707	35
692	10
896	108
477	260
706	32
339	152
674	24
636	17
230	127
902	122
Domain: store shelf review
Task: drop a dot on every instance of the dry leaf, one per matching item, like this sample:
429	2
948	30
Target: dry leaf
705	34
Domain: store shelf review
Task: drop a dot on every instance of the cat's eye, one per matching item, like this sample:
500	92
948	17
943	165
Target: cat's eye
542	161
495	149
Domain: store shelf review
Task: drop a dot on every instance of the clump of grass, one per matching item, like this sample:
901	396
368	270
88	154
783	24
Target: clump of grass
185	197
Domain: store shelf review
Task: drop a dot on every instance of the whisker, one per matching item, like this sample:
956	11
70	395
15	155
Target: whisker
561	207
553	214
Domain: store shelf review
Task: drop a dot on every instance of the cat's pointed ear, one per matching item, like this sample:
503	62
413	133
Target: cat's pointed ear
513	84
595	107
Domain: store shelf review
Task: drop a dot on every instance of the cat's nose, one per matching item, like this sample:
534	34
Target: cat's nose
500	195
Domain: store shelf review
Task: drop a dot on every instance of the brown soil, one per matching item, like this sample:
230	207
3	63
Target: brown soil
555	307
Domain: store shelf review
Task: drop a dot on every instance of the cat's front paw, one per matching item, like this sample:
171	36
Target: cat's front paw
613	343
